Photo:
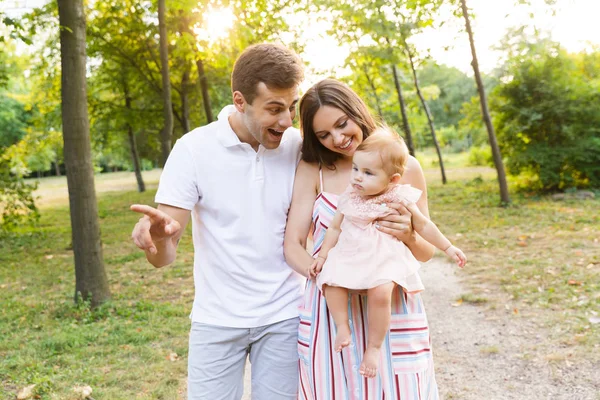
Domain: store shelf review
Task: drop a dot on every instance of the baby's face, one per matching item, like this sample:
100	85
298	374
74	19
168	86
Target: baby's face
368	177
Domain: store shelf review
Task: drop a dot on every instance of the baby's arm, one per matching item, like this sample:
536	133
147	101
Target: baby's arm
330	240
430	232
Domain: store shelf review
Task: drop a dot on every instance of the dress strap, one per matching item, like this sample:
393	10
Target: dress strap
321	188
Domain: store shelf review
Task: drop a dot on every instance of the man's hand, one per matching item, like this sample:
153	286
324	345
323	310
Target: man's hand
399	224
155	226
316	267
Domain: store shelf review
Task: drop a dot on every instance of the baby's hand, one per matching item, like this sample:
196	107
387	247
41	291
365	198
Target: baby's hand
316	267
457	255
412	207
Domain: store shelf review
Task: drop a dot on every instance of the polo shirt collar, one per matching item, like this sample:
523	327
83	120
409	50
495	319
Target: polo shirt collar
226	135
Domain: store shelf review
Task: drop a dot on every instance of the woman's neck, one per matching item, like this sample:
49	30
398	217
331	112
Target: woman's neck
344	163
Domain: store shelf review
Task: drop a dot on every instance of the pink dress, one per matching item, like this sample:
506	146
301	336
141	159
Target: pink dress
364	257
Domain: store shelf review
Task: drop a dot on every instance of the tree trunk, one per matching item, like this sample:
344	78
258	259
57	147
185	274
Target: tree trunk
185	106
205	94
167	131
427	112
90	278
405	124
505	198
57	167
374	90
132	142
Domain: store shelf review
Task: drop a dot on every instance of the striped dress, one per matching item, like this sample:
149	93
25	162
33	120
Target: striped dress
406	367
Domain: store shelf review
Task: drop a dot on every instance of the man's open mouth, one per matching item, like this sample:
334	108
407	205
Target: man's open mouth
275	133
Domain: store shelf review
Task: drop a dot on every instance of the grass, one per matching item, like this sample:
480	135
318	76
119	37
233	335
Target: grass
489	350
537	258
124	349
472	299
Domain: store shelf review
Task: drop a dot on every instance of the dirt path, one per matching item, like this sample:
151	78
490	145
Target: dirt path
486	354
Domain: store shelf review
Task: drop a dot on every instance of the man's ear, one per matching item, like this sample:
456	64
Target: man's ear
239	101
395	179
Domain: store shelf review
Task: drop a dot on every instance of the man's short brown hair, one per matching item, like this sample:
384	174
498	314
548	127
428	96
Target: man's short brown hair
273	64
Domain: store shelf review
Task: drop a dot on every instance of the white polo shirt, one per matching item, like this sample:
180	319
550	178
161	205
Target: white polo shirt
239	199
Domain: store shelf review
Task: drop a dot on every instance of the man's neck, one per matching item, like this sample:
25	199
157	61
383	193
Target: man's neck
240	130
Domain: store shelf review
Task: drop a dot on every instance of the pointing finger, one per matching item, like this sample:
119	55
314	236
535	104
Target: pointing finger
147	210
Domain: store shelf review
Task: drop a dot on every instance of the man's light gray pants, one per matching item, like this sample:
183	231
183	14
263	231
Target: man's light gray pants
217	357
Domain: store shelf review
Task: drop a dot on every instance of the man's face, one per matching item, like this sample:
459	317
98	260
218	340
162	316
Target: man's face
269	115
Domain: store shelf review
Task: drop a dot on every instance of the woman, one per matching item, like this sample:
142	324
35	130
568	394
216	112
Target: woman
334	121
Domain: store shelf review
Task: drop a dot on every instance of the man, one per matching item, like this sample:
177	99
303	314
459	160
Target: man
235	177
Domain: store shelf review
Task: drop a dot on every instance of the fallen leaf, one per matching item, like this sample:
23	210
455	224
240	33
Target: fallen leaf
551	272
49	257
589	266
83	392
573	282
26	392
515	311
522	237
522	243
568	363
172	357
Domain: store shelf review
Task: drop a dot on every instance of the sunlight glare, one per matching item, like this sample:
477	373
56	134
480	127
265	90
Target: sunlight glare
216	23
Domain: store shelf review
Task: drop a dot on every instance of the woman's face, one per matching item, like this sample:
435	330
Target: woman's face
336	131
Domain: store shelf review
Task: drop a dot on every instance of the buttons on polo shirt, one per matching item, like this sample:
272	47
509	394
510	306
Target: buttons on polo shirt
258	166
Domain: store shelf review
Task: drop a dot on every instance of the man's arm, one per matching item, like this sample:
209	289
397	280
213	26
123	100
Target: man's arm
158	232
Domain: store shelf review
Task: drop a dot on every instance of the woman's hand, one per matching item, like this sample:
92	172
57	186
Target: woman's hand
399	224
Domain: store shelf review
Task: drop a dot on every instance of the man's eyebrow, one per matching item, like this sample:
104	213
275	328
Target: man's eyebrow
275	102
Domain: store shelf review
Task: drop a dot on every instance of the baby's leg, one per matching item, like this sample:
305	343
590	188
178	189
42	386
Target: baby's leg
380	311
337	302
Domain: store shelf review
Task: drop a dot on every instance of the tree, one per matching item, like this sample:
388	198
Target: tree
548	126
504	196
90	277
409	54
167	130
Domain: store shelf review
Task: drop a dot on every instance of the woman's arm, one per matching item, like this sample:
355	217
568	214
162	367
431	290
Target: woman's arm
300	217
400	226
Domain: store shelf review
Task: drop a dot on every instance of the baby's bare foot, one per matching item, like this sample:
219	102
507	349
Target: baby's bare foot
342	338
370	362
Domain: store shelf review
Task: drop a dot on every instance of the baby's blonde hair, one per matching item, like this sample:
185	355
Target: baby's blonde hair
391	149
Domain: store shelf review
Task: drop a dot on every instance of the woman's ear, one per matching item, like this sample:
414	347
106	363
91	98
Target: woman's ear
395	179
239	101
